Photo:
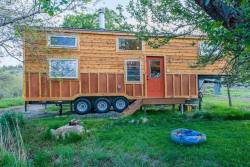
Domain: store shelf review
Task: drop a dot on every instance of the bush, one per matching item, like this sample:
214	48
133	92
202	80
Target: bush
12	151
11	120
9	102
219	113
72	137
7	159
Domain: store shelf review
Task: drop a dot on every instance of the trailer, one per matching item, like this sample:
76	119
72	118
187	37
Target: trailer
95	70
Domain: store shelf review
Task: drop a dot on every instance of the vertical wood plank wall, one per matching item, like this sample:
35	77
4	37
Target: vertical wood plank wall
39	87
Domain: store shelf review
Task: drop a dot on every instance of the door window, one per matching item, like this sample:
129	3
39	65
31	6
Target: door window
155	70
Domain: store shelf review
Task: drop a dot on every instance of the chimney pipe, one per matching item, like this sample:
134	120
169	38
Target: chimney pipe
101	18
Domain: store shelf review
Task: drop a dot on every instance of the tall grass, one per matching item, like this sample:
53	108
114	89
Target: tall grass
11	142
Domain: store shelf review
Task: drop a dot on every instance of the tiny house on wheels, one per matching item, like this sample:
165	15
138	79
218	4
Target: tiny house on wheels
95	70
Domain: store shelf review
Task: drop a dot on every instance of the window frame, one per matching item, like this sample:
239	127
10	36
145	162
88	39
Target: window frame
77	68
62	46
126	74
119	50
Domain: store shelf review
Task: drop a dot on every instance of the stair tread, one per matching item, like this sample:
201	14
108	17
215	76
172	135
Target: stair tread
133	108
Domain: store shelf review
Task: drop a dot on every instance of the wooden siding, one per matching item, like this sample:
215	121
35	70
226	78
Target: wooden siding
98	53
38	87
101	68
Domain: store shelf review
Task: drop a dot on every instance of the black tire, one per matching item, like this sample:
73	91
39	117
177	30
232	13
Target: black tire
102	105
82	106
120	104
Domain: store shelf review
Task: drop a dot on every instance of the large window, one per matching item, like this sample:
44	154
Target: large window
63	68
62	41
129	44
133	70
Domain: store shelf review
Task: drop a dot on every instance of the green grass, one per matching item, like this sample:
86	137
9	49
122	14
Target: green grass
116	142
236	92
119	143
10	102
7	159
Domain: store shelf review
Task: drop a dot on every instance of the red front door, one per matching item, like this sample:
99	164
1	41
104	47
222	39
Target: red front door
155	76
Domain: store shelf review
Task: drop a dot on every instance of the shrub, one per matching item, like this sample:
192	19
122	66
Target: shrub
11	143
72	137
216	113
9	102
12	119
203	115
8	159
42	158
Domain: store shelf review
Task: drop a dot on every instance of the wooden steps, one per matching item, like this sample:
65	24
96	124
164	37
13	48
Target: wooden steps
132	108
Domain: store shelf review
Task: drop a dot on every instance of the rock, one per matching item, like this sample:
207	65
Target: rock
131	121
144	120
65	131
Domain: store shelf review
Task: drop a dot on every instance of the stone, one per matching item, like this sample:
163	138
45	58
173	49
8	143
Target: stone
131	121
65	131
144	120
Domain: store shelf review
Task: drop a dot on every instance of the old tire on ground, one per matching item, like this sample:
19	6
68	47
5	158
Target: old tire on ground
102	105
120	104
82	106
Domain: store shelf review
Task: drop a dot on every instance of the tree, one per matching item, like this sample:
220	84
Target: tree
16	15
114	20
225	23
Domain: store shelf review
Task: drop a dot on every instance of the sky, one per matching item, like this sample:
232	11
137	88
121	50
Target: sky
112	4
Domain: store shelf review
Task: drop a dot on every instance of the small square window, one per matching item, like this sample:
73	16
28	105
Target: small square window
62	41
129	44
133	70
63	68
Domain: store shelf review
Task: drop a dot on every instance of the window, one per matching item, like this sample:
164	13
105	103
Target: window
206	49
63	68
129	44
62	41
155	70
133	70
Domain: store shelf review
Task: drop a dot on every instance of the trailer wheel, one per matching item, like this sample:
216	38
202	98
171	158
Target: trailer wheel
120	104
82	106
102	105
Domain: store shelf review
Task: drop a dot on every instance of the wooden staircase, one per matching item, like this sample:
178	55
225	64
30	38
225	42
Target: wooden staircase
135	106
132	108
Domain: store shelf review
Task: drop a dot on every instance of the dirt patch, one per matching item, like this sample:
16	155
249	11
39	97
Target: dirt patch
38	111
33	111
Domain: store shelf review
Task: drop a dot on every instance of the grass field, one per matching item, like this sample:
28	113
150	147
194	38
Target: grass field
9	102
116	142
